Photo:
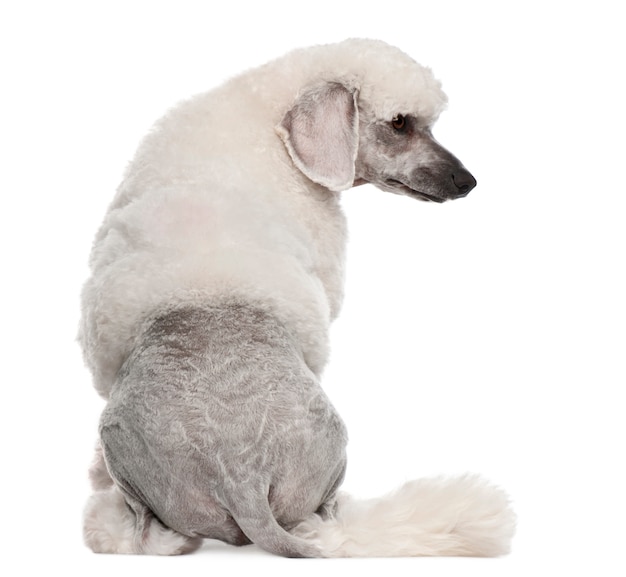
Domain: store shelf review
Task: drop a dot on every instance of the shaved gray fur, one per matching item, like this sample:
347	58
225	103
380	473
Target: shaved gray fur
216	414
409	161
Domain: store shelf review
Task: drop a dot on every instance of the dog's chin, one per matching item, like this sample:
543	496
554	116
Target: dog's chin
398	187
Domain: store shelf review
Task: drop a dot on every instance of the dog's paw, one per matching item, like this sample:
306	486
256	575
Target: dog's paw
109	527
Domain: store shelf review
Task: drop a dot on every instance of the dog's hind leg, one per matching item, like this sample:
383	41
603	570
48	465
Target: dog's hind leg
111	525
98	472
114	523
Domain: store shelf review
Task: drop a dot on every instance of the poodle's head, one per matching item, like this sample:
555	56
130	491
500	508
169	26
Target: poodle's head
371	121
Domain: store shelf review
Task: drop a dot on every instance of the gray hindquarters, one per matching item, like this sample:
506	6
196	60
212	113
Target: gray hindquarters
217	427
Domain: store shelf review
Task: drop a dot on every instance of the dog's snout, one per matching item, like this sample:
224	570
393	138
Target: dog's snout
464	181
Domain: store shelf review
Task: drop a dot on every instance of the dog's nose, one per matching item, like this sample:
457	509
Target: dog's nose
463	181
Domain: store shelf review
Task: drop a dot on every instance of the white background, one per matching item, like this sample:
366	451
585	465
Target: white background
482	335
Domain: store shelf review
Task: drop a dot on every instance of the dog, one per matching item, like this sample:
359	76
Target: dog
214	279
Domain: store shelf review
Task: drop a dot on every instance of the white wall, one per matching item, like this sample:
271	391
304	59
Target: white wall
482	335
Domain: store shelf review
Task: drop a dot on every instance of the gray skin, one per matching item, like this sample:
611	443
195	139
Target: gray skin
216	427
403	157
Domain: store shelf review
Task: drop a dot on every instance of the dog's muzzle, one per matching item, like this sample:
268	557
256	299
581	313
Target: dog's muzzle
447	185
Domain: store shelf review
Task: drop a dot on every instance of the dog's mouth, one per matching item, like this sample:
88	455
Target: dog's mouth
407	190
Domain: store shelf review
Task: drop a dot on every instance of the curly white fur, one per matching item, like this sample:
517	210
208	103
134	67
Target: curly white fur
196	216
110	527
456	516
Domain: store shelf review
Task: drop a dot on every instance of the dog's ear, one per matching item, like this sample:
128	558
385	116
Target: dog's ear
321	133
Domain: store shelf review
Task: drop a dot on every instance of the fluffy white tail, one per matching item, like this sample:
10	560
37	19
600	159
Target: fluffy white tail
457	516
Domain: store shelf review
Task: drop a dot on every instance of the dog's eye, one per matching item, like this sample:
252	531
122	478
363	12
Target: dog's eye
399	122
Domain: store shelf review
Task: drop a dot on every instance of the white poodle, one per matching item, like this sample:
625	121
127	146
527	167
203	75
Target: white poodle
215	275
